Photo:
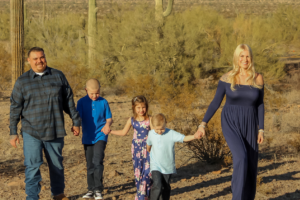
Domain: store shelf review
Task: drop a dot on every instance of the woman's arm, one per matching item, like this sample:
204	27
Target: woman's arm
214	105
260	109
125	129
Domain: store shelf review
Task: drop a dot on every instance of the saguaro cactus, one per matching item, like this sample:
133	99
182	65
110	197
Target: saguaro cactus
17	38
82	39
92	32
159	14
25	12
44	11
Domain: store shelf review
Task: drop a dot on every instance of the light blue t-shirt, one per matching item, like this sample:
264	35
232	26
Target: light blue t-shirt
162	154
93	115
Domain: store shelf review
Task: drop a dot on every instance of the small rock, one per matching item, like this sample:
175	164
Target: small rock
217	172
183	180
16	185
114	174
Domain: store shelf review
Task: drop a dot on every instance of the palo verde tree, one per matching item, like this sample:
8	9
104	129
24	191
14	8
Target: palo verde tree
17	38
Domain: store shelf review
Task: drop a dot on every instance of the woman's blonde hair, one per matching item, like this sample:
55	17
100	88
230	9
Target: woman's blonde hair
236	68
135	101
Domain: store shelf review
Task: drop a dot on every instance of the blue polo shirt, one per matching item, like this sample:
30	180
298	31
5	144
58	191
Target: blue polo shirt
162	154
93	115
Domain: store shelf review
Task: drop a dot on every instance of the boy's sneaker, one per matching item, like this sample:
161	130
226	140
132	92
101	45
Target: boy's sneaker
97	195
88	195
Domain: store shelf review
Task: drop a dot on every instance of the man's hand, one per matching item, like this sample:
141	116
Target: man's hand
106	129
75	130
13	140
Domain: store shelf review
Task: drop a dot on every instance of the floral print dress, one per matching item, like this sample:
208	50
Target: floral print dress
141	158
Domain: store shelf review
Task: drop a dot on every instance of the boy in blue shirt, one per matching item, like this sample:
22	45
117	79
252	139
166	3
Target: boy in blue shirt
160	144
96	121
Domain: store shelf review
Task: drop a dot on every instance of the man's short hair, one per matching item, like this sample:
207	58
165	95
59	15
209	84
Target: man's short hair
158	120
35	49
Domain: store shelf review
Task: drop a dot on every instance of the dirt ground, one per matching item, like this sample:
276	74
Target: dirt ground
278	176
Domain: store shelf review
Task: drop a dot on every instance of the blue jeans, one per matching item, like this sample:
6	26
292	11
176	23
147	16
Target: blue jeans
34	158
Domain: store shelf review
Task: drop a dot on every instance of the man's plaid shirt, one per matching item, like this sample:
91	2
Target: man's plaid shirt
39	101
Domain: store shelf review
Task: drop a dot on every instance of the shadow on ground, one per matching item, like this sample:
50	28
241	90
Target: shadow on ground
288	196
12	168
189	171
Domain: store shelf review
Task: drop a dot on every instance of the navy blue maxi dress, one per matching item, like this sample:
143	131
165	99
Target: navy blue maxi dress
242	116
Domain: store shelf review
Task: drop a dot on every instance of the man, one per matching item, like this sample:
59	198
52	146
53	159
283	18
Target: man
39	98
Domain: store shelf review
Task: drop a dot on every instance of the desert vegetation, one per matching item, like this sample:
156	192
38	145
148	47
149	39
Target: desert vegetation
176	64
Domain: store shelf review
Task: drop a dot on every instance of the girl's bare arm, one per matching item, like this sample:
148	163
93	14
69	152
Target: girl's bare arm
125	129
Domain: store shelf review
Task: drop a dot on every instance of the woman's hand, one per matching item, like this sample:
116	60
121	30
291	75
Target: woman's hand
201	131
260	137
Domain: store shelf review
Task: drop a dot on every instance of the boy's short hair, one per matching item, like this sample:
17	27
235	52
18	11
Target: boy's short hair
158	120
92	84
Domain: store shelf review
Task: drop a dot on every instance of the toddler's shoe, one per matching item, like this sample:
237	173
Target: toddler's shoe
98	195
88	195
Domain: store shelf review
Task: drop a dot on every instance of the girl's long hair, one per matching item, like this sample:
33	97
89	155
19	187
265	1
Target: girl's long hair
135	101
236	68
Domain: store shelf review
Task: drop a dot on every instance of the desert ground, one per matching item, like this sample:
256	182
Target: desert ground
278	171
279	161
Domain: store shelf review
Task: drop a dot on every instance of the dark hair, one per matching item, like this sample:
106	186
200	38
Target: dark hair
35	49
135	101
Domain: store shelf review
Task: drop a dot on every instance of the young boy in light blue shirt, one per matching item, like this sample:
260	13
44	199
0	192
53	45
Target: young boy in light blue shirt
160	144
96	121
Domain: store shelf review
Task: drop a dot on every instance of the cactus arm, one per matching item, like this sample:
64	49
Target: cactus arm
44	10
25	11
159	14
169	8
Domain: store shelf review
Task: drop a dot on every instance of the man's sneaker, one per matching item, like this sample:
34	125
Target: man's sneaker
88	195
97	195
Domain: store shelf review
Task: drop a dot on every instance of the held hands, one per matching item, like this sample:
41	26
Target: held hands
75	130
201	131
13	140
198	135
106	129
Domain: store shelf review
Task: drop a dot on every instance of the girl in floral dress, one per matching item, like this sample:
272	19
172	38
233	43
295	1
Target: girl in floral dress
140	157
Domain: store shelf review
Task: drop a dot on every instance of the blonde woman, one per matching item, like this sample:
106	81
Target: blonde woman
242	120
